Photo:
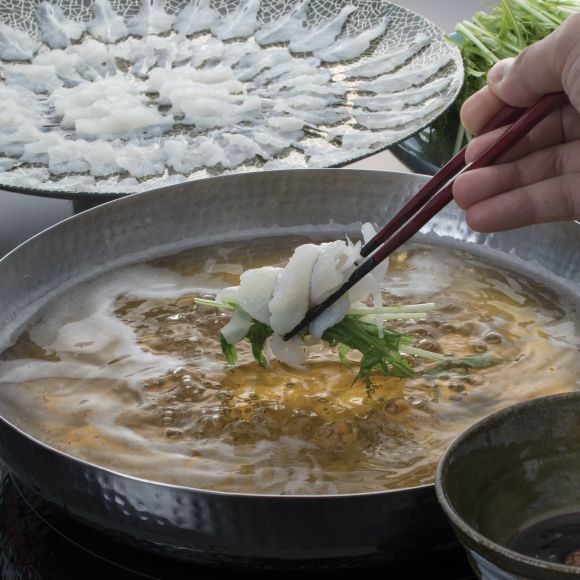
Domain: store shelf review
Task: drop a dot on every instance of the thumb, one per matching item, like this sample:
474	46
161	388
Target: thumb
550	65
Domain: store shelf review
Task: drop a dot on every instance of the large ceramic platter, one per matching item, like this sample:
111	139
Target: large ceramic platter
106	99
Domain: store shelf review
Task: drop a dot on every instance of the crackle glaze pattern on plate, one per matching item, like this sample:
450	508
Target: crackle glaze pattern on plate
318	145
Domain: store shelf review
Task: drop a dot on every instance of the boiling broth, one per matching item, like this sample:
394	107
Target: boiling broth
126	372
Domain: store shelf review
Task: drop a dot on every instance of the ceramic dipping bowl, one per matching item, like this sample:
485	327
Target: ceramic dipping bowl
510	486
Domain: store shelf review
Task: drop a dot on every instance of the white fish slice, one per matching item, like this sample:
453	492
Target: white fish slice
405	78
13	141
291	296
228	294
159	76
256	289
307	66
298	83
211	49
37	151
250	65
308	85
102	159
107	25
35	77
392	119
96	60
291	161
68	157
272	142
238	326
151	19
6	164
16	44
65	65
401	99
283	28
185	155
208	153
239	148
291	352
69	102
235	51
309	102
142	160
359	140
351	47
309	39
213	100
18	100
388	61
331	316
205	113
328	116
107	106
124	117
323	157
57	30
195	17
286	124
327	274
11	120
176	150
239	23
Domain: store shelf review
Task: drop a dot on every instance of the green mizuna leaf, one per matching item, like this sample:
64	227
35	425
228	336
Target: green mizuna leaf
380	353
229	350
503	31
258	335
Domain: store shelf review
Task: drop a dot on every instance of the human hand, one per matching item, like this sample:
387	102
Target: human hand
538	180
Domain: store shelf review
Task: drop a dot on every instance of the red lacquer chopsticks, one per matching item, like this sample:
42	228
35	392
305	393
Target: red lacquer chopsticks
436	194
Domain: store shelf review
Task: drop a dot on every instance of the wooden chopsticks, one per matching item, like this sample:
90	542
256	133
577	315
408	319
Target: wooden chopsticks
436	194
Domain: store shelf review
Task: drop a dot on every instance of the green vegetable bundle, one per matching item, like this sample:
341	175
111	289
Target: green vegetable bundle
503	32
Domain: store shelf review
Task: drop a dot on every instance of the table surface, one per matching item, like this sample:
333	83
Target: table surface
23	216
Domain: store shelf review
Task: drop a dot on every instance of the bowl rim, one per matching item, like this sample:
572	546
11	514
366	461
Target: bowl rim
457	520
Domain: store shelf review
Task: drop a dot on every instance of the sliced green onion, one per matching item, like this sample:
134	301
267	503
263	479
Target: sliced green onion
406	349
393	309
215	304
372	318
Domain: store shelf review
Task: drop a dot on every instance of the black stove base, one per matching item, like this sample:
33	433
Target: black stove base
39	542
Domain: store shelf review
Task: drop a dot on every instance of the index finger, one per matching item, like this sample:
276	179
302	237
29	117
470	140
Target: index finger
478	109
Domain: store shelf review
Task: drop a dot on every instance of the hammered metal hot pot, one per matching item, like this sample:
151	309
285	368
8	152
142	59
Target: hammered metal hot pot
229	528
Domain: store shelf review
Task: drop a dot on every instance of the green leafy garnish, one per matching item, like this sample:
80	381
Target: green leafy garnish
258	335
503	32
342	350
383	353
378	353
229	350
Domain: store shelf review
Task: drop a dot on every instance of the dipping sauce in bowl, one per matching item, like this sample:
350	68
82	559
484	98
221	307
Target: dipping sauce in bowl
510	486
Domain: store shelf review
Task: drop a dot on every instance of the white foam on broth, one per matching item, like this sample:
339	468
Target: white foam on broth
124	371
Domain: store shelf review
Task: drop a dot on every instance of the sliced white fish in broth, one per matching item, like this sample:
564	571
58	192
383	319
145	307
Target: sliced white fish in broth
127	370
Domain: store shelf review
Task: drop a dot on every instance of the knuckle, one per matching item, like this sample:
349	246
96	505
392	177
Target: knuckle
558	161
567	51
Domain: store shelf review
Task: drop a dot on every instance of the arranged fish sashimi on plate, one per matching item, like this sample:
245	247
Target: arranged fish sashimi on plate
126	89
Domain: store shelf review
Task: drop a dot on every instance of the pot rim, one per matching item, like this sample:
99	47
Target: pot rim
457	520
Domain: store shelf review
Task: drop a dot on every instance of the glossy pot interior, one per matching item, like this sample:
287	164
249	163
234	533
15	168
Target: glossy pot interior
233	528
511	470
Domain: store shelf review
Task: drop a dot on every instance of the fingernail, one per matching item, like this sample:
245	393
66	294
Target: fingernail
498	71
